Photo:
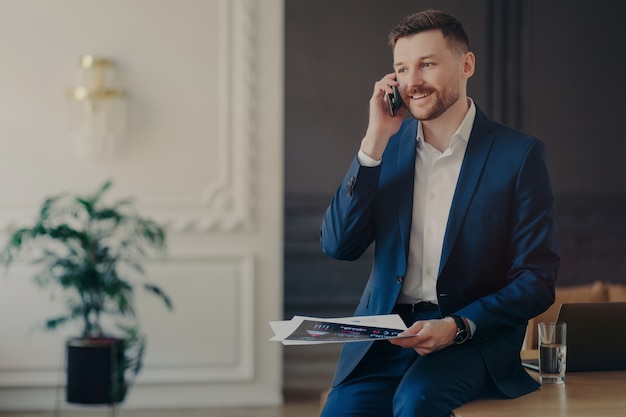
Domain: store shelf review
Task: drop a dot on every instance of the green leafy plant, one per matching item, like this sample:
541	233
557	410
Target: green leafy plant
88	250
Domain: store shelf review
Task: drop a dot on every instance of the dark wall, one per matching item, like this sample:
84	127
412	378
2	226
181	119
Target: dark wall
576	87
550	68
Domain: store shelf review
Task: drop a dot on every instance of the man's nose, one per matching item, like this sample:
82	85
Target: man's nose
415	79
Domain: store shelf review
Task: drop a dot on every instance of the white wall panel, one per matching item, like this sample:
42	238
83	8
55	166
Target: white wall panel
203	156
217	297
190	71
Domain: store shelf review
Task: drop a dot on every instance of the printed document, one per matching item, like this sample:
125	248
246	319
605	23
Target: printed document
302	330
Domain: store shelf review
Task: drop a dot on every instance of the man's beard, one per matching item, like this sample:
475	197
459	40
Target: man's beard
443	102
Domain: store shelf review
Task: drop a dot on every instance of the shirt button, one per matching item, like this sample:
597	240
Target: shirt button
429	232
432	196
429	271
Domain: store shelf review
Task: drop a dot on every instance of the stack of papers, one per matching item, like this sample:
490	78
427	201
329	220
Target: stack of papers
302	330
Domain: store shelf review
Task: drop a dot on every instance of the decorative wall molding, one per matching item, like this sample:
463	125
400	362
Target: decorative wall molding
230	199
238	367
238	313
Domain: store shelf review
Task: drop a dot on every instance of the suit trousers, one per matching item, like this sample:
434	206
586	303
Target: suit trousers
392	381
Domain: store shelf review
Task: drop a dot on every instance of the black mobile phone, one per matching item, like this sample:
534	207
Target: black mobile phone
394	100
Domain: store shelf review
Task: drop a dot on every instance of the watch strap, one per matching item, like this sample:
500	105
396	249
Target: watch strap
462	332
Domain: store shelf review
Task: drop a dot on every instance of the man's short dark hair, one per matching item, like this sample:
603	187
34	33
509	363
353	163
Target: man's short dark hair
450	27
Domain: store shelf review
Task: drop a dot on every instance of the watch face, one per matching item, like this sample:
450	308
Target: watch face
460	337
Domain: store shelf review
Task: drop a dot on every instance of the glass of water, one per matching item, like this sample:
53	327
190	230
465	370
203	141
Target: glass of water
552	352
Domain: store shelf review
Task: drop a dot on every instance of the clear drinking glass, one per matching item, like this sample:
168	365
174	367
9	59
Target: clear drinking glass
552	352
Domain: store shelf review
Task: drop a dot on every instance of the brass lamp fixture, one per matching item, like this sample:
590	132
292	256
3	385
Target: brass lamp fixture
96	109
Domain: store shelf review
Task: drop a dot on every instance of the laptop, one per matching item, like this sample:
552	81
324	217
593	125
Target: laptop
596	336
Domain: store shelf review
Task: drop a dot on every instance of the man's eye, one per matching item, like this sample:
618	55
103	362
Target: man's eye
427	64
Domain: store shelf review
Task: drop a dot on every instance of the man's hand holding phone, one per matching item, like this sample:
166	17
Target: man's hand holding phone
386	115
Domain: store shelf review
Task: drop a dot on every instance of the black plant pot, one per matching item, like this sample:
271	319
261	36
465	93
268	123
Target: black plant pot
95	371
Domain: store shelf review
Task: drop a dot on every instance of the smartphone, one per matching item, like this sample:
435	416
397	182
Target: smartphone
394	100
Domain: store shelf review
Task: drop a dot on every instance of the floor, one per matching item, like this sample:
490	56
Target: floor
290	409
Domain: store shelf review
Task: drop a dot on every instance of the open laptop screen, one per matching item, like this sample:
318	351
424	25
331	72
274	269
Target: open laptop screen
596	336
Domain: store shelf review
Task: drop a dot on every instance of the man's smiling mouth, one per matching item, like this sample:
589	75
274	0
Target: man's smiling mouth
419	96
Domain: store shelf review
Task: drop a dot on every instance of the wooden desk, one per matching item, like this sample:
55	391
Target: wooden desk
584	394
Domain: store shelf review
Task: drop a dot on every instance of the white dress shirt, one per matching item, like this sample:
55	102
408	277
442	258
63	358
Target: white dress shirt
436	175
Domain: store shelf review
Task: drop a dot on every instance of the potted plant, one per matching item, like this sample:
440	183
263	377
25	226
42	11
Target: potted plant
88	250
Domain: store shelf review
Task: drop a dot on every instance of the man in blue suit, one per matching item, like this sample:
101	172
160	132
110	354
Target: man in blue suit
461	212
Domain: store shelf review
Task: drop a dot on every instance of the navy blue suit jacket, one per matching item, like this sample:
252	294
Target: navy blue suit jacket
500	251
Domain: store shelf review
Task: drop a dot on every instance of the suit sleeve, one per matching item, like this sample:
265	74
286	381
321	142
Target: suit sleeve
347	229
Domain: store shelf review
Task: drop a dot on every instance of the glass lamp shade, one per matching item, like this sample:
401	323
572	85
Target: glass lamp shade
96	110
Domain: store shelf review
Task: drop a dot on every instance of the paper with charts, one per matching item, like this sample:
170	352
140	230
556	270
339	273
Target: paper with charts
302	330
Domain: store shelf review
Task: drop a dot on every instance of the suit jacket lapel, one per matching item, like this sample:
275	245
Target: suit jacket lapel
478	147
406	166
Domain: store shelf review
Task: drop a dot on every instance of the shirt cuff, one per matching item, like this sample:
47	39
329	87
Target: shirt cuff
366	160
472	326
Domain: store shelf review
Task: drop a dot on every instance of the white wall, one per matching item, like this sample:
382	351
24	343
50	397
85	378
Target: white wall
203	156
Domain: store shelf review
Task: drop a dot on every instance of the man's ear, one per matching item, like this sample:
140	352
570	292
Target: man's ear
469	64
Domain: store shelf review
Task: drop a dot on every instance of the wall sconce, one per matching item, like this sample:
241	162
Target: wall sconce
96	109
